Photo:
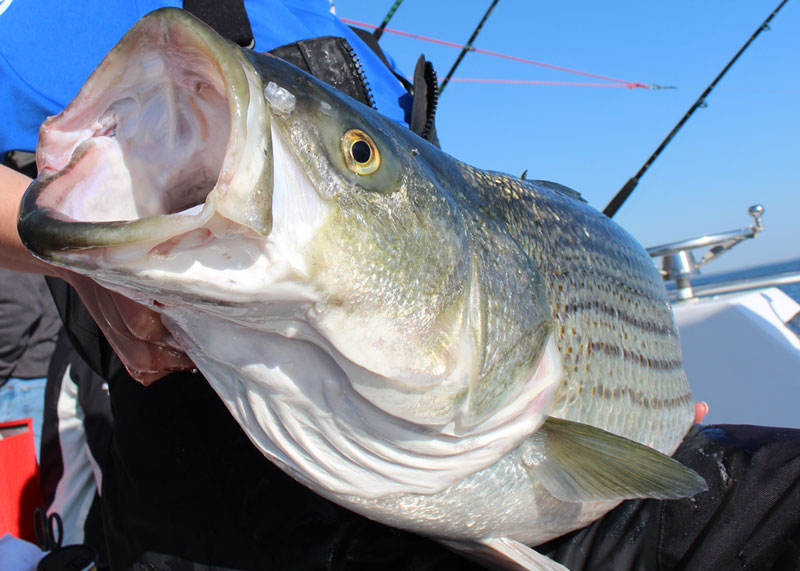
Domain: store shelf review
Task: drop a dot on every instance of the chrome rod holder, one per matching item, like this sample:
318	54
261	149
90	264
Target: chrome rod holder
679	263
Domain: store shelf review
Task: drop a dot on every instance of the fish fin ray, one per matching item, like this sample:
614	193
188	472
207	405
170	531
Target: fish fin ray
577	462
560	189
505	553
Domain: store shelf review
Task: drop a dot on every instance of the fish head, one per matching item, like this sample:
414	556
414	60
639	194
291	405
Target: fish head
200	179
398	263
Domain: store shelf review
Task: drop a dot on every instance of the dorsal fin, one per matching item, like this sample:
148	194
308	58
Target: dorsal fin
560	189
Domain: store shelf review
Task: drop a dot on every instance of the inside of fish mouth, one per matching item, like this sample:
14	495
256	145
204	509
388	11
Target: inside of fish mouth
153	144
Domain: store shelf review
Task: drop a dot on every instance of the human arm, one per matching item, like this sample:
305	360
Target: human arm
134	332
13	254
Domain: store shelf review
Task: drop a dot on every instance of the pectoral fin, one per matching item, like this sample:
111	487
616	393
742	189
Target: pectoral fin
506	554
580	463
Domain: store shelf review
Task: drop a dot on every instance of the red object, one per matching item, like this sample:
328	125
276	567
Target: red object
19	479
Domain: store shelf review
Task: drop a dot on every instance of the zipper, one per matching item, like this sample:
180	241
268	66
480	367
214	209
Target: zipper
432	97
358	69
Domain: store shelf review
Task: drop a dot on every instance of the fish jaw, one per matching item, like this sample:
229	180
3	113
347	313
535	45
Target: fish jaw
169	132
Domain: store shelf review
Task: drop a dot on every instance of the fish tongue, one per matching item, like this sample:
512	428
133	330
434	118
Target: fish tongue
95	186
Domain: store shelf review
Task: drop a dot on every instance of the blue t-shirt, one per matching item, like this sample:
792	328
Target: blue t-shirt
49	49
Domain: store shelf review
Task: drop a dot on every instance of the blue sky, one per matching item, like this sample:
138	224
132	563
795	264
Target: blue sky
744	148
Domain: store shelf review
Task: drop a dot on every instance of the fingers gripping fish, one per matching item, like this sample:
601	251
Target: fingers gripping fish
477	358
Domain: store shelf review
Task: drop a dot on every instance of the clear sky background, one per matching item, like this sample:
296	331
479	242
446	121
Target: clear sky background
744	148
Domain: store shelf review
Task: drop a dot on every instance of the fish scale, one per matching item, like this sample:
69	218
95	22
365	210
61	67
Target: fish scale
606	298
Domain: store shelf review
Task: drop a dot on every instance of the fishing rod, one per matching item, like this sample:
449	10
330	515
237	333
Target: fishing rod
468	47
626	190
379	30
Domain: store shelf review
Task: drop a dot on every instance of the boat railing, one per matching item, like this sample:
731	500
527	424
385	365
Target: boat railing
678	261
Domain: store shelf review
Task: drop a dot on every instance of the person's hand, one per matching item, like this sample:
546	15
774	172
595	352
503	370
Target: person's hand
135	332
700	411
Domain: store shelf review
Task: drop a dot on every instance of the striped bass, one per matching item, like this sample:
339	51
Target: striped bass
481	359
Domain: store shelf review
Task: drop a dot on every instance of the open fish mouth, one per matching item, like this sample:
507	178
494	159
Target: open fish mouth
168	125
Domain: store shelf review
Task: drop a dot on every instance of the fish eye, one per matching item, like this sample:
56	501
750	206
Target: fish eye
360	152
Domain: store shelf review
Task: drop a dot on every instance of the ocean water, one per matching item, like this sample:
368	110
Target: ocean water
767	270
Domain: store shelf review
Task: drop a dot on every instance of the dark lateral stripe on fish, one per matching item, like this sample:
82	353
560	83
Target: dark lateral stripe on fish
601	307
634	396
614	350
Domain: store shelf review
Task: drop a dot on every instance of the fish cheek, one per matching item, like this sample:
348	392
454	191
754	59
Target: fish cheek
390	285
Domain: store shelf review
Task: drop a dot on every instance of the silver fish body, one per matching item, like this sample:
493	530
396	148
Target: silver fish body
478	358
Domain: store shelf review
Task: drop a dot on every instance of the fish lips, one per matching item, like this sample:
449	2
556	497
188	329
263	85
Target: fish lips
171	129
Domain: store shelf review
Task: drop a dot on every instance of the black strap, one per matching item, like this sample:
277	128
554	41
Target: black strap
227	17
332	60
426	97
372	43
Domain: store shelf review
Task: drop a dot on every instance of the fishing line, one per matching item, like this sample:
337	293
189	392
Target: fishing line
501	55
542	82
626	190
